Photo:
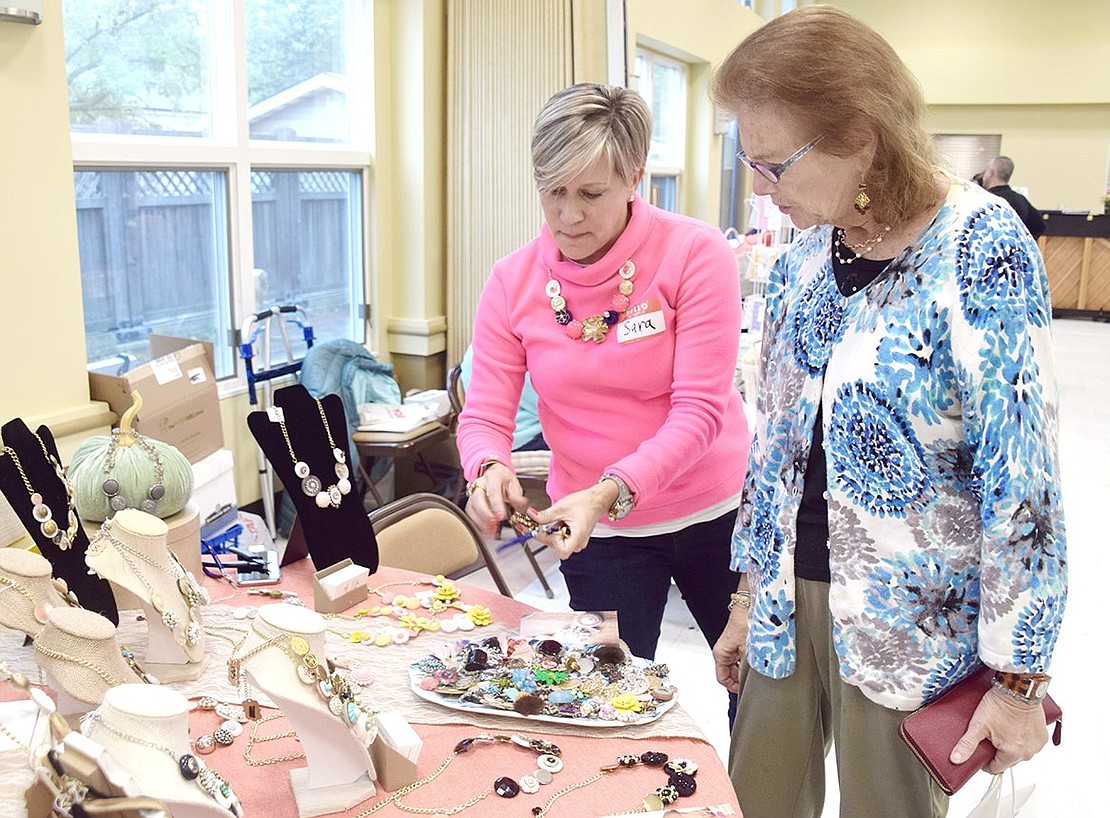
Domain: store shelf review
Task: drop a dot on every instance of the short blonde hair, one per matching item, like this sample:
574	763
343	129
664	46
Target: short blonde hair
836	76
584	121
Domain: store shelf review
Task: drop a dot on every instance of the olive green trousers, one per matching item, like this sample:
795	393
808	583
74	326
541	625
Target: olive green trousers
784	728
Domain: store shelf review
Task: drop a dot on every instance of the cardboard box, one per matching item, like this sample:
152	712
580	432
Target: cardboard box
180	402
214	492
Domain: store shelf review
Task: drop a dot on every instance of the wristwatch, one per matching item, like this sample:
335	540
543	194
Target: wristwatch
624	502
1030	687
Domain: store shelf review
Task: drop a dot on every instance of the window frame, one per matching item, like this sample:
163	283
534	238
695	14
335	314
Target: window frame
645	59
232	152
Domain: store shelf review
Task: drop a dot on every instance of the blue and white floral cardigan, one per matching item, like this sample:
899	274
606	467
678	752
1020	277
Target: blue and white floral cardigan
946	528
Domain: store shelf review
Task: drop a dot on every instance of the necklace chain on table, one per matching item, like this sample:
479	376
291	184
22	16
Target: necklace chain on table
40	511
544	749
253	739
311	485
189	766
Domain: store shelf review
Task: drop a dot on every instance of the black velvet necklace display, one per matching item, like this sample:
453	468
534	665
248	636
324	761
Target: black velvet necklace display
94	593
331	533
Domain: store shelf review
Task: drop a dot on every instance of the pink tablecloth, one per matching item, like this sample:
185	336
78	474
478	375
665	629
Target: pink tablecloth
267	791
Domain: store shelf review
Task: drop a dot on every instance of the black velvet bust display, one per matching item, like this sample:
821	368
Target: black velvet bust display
94	593
331	534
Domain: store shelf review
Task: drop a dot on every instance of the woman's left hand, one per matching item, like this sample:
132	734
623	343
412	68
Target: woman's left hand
1016	730
580	511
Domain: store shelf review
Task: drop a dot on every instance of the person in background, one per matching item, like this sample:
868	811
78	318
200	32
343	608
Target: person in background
627	318
996	179
901	523
527	434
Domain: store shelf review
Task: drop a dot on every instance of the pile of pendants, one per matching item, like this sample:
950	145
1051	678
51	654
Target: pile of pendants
545	677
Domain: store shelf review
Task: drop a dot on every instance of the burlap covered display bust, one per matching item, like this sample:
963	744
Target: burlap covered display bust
130	551
78	651
27	592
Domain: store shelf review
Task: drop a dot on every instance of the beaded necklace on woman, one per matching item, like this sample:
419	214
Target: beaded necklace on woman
596	327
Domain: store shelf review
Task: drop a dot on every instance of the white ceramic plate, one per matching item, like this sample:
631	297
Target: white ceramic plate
455	703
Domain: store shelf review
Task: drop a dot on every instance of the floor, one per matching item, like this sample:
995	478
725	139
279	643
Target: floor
1066	776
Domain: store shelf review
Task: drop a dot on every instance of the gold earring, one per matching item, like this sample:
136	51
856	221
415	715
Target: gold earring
862	201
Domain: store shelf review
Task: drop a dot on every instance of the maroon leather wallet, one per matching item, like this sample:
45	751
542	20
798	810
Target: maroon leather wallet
932	731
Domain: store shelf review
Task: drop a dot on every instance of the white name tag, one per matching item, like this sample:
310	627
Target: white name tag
640	326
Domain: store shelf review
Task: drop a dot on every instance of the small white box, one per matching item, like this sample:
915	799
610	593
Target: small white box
214	491
439	405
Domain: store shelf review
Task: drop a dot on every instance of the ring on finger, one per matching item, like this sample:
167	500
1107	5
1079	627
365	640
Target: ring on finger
474	486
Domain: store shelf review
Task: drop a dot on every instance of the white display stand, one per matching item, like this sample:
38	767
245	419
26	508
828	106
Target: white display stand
160	717
340	773
168	657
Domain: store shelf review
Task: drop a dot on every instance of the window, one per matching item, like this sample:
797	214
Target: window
733	181
662	82
221	166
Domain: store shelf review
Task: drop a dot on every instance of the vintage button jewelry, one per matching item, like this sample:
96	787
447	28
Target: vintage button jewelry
679	784
222	737
232	727
204	744
40	510
311	485
189	766
596	327
188	633
504	786
111	486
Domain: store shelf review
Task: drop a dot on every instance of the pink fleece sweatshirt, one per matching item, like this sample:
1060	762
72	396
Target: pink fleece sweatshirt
659	411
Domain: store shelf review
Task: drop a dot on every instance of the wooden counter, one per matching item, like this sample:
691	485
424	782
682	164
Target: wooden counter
1076	252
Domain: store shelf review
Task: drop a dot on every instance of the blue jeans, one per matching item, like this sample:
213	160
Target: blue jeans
632	576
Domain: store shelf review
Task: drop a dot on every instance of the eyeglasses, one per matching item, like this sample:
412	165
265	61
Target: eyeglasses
773	173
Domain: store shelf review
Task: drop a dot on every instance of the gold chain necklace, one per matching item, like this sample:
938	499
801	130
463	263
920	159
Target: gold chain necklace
42	513
253	739
859	250
323	677
108	677
311	485
547	761
680	781
596	327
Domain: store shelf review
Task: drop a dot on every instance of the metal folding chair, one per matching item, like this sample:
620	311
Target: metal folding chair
256	342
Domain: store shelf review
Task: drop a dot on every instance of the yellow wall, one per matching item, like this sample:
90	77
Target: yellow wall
1036	73
42	331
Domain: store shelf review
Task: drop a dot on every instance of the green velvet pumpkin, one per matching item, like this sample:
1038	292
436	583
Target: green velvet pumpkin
134	473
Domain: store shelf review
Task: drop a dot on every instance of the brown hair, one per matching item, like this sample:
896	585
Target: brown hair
836	76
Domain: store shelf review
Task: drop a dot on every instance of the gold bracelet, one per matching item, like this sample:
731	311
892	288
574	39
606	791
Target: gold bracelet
487	463
741	598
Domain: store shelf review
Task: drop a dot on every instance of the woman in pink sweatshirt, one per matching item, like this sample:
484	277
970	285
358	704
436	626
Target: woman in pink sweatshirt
627	319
